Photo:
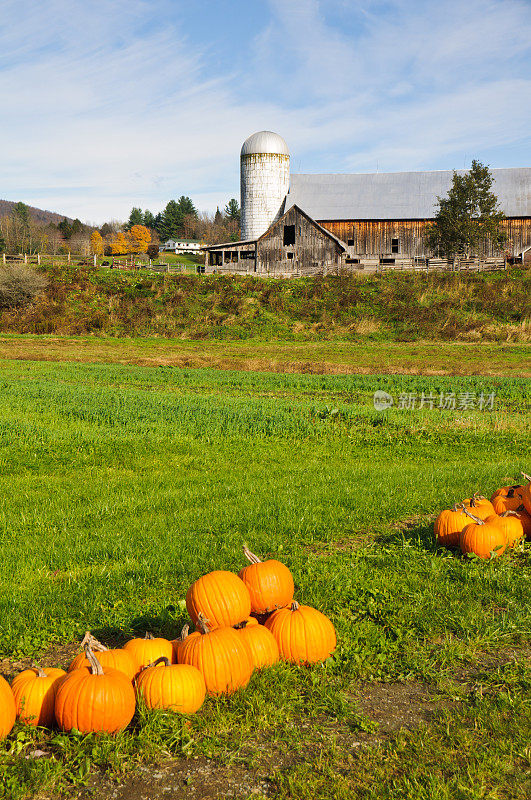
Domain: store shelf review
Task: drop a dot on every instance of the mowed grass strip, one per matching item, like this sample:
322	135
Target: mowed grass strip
121	485
360	356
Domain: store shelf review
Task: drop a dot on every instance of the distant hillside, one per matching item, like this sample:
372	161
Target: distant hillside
38	214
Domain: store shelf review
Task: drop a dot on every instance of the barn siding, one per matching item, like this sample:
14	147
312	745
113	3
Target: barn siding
312	252
373	237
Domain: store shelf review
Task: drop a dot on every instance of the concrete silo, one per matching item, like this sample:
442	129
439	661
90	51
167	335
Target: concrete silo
264	181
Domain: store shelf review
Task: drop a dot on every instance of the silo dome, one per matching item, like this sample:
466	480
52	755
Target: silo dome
265	142
264	171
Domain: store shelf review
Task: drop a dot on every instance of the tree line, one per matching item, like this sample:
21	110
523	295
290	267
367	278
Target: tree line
142	233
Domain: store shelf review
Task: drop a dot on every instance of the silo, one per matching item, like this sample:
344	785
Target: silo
264	181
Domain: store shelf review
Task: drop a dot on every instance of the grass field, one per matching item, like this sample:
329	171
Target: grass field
121	484
335	357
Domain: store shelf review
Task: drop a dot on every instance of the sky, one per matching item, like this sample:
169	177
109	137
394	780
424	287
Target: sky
110	104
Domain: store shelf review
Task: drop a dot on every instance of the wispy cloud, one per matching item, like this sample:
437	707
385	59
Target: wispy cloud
117	102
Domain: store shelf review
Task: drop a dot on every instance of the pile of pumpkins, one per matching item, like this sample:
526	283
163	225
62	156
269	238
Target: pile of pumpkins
487	527
243	622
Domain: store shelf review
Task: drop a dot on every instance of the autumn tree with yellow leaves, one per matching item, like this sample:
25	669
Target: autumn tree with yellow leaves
96	243
139	238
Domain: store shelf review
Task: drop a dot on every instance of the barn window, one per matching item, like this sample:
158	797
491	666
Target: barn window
352	261
394	246
350	242
234	256
289	235
387	261
290	255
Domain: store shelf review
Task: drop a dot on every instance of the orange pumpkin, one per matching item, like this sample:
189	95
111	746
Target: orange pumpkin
525	519
221	657
508	498
175	687
479	506
117	658
270	583
220	597
145	651
250	621
485	539
303	634
449	524
261	644
511	525
95	698
7	708
34	691
179	641
526	493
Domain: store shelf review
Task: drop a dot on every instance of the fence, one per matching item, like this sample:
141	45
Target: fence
129	263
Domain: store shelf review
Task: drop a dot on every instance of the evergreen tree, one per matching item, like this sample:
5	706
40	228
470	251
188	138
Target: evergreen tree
186	206
232	210
218	217
148	220
106	229
21	216
77	227
159	221
171	221
65	228
135	218
468	217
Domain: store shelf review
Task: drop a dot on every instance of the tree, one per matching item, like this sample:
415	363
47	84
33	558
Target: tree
148	220
232	210
152	251
139	238
2	243
119	245
185	206
21	215
218	217
66	229
136	217
469	217
96	243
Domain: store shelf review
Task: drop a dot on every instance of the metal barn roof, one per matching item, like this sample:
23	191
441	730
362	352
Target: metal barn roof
398	195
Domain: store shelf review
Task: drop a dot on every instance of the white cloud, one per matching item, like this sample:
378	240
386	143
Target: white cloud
111	104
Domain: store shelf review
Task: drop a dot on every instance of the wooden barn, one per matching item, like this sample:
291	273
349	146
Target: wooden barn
295	243
304	224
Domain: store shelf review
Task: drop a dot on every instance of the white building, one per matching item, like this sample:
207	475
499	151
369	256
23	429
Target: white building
180	246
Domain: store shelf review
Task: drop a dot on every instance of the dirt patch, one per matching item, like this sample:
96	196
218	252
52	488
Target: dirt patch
197	779
396	705
55	656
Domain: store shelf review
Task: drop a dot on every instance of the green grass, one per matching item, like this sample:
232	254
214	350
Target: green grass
392	306
120	485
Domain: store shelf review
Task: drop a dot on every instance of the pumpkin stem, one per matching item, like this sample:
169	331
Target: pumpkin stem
510	514
457	507
95	665
295	606
202	623
251	556
526	476
40	672
240	625
477	520
161	660
184	633
90	639
149	635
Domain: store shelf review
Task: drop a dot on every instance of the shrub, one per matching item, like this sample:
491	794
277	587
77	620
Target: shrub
19	285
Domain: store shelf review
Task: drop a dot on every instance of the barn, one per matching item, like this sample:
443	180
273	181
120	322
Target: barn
304	224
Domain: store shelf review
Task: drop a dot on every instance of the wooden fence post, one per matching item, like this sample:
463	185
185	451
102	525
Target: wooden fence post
95	260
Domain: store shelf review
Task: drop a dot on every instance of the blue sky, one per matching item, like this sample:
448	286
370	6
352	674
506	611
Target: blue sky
115	103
